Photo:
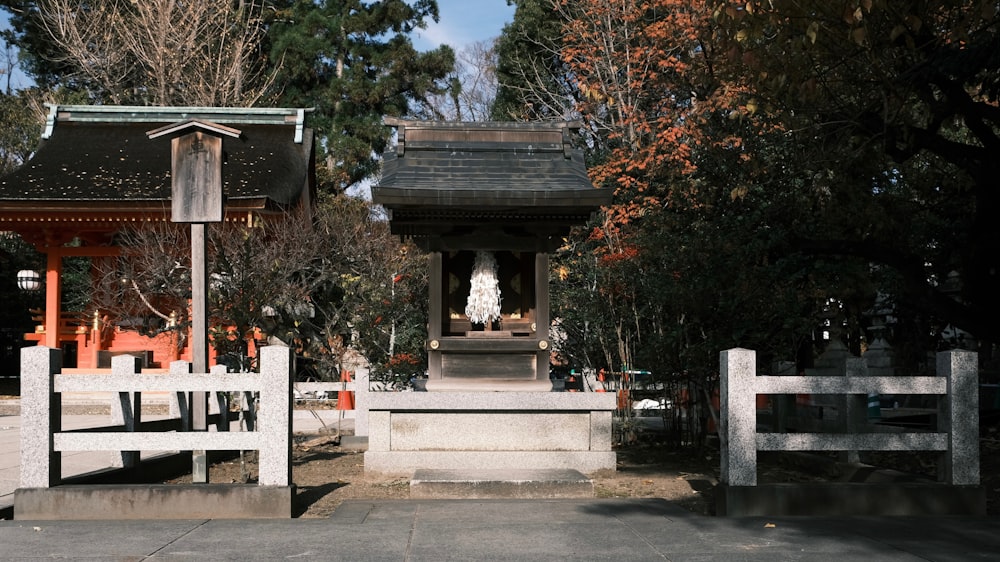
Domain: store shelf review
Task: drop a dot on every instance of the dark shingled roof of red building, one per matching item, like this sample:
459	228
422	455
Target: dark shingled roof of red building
113	161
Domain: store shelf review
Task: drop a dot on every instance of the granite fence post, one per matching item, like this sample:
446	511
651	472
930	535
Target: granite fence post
275	416
782	405
855	407
960	415
248	407
41	417
126	408
738	369
219	406
180	402
361	390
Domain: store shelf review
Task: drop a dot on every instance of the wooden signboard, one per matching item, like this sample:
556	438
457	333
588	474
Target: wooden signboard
196	171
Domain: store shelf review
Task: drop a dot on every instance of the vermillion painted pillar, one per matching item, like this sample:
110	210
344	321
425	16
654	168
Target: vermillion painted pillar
53	295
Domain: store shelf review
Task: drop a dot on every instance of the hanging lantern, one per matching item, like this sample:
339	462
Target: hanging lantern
483	306
28	280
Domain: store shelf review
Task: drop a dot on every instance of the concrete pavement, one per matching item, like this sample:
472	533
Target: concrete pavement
635	530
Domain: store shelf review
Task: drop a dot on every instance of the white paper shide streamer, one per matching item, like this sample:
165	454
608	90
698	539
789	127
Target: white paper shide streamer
483	306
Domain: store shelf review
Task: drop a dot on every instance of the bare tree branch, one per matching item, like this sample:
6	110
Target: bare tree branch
162	52
473	87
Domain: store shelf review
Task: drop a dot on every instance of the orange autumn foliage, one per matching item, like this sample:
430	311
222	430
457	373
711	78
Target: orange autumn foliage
647	87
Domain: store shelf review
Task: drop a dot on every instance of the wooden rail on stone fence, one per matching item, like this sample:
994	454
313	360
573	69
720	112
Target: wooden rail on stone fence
43	441
958	436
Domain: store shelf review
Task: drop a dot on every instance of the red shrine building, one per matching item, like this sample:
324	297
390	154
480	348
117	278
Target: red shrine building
96	170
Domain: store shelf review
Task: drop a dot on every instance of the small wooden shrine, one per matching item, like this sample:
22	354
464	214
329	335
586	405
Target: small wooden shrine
489	201
96	170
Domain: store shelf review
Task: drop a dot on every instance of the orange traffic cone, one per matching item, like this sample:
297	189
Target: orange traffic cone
345	398
623	400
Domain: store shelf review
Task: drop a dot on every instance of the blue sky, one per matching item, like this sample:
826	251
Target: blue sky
463	22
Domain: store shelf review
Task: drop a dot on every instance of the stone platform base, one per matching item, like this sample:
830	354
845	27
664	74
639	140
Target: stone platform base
158	501
835	499
409	431
500	484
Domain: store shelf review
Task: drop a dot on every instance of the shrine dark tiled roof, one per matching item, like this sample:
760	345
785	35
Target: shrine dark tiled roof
88	161
478	166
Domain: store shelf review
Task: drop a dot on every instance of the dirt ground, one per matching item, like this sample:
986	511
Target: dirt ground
326	475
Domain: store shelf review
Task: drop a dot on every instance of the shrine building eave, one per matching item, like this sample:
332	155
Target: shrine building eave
86	210
55	223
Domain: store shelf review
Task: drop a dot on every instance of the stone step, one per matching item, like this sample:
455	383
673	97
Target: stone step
500	484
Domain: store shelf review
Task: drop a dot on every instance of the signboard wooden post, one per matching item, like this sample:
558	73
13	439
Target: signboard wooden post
196	198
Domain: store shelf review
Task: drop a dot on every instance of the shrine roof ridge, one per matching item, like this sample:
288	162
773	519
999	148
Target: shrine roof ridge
423	124
161	114
167	114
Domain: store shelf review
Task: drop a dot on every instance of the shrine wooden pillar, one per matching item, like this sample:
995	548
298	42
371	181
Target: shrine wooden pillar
52	318
541	311
435	278
53	295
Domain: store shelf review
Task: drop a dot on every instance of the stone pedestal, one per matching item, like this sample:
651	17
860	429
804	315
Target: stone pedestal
489	430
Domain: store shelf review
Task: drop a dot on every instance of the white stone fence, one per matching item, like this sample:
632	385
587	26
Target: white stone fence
958	416
43	441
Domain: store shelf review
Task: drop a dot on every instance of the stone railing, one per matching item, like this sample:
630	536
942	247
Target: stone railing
43	441
958	419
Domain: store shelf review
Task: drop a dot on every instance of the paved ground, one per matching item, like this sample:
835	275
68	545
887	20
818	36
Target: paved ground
632	530
599	529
